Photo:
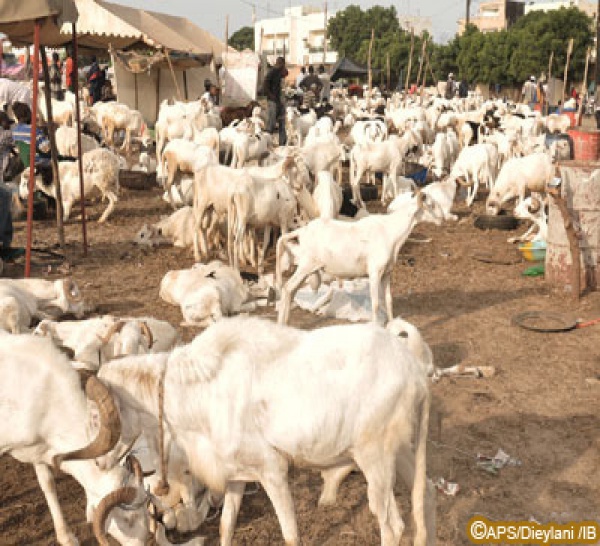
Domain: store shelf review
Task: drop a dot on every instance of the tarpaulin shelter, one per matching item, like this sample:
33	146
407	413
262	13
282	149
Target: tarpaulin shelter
155	56
345	68
39	22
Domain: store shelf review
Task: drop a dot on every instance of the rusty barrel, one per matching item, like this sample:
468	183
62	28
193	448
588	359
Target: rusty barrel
586	143
581	189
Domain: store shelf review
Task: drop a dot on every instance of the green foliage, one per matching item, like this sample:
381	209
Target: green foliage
510	56
242	39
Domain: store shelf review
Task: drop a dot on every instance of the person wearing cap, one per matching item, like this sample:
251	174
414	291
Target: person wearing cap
450	87
529	92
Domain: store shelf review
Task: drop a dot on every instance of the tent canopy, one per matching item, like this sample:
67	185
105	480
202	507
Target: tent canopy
103	24
17	20
345	68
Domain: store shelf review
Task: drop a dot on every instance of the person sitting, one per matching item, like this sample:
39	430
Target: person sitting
22	132
6	225
108	94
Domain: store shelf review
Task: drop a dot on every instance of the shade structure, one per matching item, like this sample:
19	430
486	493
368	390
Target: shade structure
345	68
103	24
36	22
17	20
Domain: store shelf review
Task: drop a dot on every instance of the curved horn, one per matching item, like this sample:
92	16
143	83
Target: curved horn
71	290
534	206
110	425
124	495
147	332
115	328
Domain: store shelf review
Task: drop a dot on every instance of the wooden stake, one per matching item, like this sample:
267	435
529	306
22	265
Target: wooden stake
34	105
412	47
53	149
421	61
584	85
388	71
226	35
549	76
564	90
173	74
78	124
369	61
325	35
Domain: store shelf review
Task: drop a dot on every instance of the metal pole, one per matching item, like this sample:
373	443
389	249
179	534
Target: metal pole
596	71
34	105
75	77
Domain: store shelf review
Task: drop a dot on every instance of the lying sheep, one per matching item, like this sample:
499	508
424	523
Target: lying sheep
177	229
206	293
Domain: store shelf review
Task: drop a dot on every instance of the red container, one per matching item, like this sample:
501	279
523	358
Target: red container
586	143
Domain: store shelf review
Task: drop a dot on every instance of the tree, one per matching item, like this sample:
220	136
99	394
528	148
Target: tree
242	39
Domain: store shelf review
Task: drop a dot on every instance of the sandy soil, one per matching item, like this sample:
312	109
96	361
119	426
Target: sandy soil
538	407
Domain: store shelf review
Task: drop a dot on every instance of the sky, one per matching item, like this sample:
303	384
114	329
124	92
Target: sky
211	15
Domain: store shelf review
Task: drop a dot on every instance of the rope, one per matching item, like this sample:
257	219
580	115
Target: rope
163	485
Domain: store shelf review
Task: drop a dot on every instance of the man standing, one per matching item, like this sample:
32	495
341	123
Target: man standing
56	79
95	79
275	110
69	71
529	92
326	81
450	87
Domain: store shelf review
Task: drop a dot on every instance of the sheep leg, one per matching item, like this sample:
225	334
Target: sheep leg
263	250
289	290
231	507
112	199
48	487
199	235
67	205
375	281
387	290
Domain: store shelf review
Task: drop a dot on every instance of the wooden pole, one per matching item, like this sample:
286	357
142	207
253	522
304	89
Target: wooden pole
325	35
173	74
410	55
421	61
79	151
549	76
53	149
388	71
34	105
185	85
564	89
583	85
369	61
468	14
226	35
135	89
157	92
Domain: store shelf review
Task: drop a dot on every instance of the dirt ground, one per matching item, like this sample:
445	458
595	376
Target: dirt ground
538	407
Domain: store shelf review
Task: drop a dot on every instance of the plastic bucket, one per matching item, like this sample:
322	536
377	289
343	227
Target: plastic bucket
586	143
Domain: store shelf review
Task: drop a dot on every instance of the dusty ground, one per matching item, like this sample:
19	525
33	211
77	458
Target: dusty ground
538	407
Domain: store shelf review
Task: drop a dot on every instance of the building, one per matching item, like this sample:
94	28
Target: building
417	23
589	8
495	15
299	34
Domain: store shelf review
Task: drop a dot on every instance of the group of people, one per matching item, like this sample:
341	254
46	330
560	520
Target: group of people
99	85
451	88
314	88
9	136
